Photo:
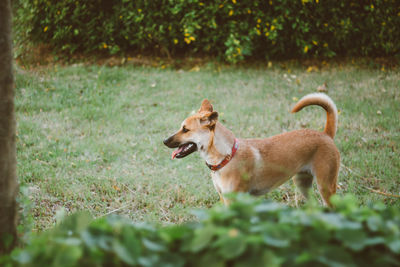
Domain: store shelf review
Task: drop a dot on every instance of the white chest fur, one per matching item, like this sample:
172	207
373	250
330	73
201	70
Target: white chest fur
222	186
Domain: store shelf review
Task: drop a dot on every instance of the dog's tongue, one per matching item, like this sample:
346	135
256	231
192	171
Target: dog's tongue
176	152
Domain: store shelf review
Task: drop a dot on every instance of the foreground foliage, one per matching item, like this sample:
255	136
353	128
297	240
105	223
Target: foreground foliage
248	233
231	30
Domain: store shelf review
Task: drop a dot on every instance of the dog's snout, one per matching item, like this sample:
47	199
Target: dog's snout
169	142
165	141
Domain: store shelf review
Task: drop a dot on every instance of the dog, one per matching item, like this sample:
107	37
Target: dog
258	166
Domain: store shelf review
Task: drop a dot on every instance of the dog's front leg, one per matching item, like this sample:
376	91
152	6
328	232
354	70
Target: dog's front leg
217	188
225	184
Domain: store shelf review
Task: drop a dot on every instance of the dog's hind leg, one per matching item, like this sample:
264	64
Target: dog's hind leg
326	173
303	181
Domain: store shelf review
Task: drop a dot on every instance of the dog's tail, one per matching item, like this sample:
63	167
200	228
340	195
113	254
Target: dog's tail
326	102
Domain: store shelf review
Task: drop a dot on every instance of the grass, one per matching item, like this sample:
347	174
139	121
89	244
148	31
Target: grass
90	137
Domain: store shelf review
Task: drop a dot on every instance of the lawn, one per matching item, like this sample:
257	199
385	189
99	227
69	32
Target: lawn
90	137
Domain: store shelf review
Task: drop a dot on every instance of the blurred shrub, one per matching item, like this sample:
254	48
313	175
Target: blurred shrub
232	30
248	233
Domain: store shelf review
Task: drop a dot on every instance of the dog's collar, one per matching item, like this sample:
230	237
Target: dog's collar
226	159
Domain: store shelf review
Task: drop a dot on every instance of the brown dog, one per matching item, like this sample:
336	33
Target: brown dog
257	166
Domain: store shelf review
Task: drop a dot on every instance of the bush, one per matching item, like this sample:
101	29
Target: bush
248	233
233	30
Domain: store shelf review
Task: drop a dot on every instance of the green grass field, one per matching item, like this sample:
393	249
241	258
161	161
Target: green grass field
90	137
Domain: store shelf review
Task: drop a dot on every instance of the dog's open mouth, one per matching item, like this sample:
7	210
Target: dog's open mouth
184	150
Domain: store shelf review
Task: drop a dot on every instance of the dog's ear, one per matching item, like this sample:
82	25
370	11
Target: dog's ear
206	106
210	119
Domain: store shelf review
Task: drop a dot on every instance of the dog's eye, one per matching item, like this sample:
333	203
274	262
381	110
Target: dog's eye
184	129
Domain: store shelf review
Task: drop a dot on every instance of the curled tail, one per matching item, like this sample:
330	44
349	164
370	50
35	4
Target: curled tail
326	102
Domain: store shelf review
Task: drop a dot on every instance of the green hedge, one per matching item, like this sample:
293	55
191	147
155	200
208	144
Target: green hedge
248	233
231	30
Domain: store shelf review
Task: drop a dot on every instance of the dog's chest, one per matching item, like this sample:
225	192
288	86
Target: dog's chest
221	185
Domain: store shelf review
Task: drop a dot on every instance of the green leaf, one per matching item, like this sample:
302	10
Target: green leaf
202	237
69	241
268	207
231	247
152	245
259	258
276	242
375	223
270	259
122	252
336	257
22	257
279	235
66	255
375	241
354	239
149	260
395	246
209	259
174	232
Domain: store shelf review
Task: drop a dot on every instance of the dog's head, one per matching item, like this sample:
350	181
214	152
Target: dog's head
195	131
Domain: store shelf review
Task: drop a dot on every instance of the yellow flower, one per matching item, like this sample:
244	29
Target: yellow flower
315	42
270	2
234	1
326	24
372	6
317	1
258	20
176	41
45	29
233	232
239	50
120	17
230	12
258	32
139	10
187	34
249	12
272	27
201	4
191	38
267	34
325	44
305	49
105	45
221	5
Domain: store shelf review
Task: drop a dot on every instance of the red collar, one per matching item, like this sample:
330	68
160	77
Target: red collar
226	159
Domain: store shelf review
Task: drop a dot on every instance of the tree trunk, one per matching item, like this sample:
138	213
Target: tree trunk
8	179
